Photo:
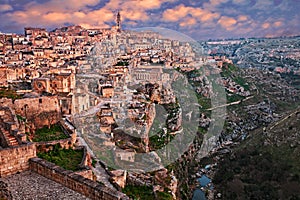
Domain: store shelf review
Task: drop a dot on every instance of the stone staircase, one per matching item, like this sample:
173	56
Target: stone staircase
11	140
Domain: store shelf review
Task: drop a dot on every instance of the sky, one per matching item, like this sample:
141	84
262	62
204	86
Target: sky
199	19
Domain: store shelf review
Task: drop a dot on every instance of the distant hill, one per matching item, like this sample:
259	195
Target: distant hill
264	166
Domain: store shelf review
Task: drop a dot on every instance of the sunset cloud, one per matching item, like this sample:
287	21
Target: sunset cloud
176	13
242	18
265	25
5	7
278	23
54	17
217	2
188	22
135	15
181	11
205	19
227	22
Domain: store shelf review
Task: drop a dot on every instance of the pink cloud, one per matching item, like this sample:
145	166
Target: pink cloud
188	22
177	13
59	12
134	10
242	18
278	23
55	17
217	2
266	25
5	7
180	12
227	22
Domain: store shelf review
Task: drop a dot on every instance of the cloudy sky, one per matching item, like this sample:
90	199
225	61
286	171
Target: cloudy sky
200	19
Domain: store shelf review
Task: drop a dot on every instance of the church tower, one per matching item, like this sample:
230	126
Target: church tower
118	21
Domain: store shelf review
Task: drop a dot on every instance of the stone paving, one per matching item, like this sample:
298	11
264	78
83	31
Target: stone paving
31	186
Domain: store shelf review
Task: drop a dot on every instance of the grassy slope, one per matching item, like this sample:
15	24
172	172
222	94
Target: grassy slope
66	158
267	164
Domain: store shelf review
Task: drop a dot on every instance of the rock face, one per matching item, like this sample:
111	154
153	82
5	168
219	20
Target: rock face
162	181
166	180
119	177
155	95
150	115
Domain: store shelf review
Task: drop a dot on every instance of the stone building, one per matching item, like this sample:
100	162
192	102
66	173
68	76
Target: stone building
38	110
7	75
147	74
107	92
106	119
125	155
80	101
55	83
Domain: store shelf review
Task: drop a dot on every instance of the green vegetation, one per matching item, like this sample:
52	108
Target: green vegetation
20	118
204	102
228	70
202	130
8	93
122	63
145	193
94	162
45	134
234	97
68	159
139	192
160	140
164	196
233	72
264	166
293	79
242	82
250	172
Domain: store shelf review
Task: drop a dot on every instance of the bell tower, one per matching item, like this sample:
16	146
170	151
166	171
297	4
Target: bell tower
118	21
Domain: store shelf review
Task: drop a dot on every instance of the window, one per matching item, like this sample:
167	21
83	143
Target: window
40	85
40	100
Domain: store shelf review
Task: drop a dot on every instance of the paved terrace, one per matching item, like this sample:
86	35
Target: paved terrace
29	185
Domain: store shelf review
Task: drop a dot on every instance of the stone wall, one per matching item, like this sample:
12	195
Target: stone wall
90	189
86	160
40	111
87	173
15	159
49	145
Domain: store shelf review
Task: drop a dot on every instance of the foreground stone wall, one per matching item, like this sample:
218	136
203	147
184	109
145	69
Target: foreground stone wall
15	159
78	183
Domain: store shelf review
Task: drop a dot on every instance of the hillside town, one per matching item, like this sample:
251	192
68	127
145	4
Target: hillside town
72	84
108	96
